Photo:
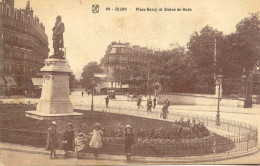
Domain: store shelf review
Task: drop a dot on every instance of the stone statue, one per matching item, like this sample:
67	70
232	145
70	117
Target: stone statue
57	38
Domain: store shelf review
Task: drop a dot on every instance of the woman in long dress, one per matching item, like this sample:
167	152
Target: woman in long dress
96	140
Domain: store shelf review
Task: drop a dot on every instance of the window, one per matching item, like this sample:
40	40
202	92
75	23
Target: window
29	20
15	15
22	17
0	8
7	11
7	68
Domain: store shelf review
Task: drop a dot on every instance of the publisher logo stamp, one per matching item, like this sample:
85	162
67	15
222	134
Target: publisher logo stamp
95	8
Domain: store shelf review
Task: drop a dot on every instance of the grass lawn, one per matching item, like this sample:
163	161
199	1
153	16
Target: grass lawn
14	118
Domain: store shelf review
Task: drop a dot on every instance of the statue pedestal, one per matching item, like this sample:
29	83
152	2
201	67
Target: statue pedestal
54	102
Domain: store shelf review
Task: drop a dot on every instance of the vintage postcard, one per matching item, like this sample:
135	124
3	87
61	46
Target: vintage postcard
129	82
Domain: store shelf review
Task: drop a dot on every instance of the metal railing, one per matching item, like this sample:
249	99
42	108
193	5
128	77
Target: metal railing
231	137
237	136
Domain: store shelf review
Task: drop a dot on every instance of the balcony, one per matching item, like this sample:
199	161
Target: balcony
34	35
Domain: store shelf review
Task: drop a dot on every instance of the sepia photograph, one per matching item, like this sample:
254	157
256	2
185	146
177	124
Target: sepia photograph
129	82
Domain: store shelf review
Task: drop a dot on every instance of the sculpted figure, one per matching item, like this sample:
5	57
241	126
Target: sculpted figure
57	38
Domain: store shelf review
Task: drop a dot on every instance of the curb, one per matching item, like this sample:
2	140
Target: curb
140	159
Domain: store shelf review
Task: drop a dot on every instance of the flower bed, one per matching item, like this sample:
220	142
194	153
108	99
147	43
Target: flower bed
152	137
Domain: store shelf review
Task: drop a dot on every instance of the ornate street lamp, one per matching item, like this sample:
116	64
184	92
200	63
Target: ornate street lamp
93	85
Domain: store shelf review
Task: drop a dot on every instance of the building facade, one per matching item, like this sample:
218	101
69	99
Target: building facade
123	57
24	45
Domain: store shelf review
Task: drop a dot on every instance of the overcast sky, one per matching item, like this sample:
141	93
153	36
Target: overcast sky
87	35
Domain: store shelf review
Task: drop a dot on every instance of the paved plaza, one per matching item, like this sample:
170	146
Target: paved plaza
244	115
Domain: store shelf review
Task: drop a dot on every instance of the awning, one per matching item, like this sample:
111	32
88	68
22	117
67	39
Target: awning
103	77
27	83
100	75
125	86
37	81
2	82
10	81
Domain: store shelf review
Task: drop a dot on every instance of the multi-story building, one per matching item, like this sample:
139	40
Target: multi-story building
123	57
23	45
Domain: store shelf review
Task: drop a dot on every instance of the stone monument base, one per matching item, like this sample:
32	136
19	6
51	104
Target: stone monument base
54	107
43	116
55	97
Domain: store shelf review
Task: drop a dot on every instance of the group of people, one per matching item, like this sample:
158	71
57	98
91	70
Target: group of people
69	140
77	142
150	104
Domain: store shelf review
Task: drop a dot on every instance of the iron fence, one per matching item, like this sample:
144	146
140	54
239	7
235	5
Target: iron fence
231	88
242	135
233	136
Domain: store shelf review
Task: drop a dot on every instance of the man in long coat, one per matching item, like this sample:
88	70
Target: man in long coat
57	35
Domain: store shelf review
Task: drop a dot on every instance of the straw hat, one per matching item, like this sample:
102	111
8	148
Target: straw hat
97	124
54	123
80	135
127	126
70	124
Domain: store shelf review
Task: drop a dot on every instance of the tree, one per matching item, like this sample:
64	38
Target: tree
88	74
73	82
174	69
201	49
242	47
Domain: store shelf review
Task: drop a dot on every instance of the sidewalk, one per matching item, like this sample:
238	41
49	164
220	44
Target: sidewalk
30	154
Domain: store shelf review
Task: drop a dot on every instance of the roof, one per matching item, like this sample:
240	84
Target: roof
118	46
37	81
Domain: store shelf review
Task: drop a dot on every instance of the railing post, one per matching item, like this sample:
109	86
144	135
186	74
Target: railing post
228	143
228	125
239	130
201	149
247	142
207	121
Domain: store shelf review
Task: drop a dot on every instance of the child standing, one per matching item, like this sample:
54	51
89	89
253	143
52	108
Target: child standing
52	140
128	141
96	140
68	140
80	140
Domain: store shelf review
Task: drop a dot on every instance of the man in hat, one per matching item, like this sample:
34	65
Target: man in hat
68	140
52	139
107	101
128	141
149	105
